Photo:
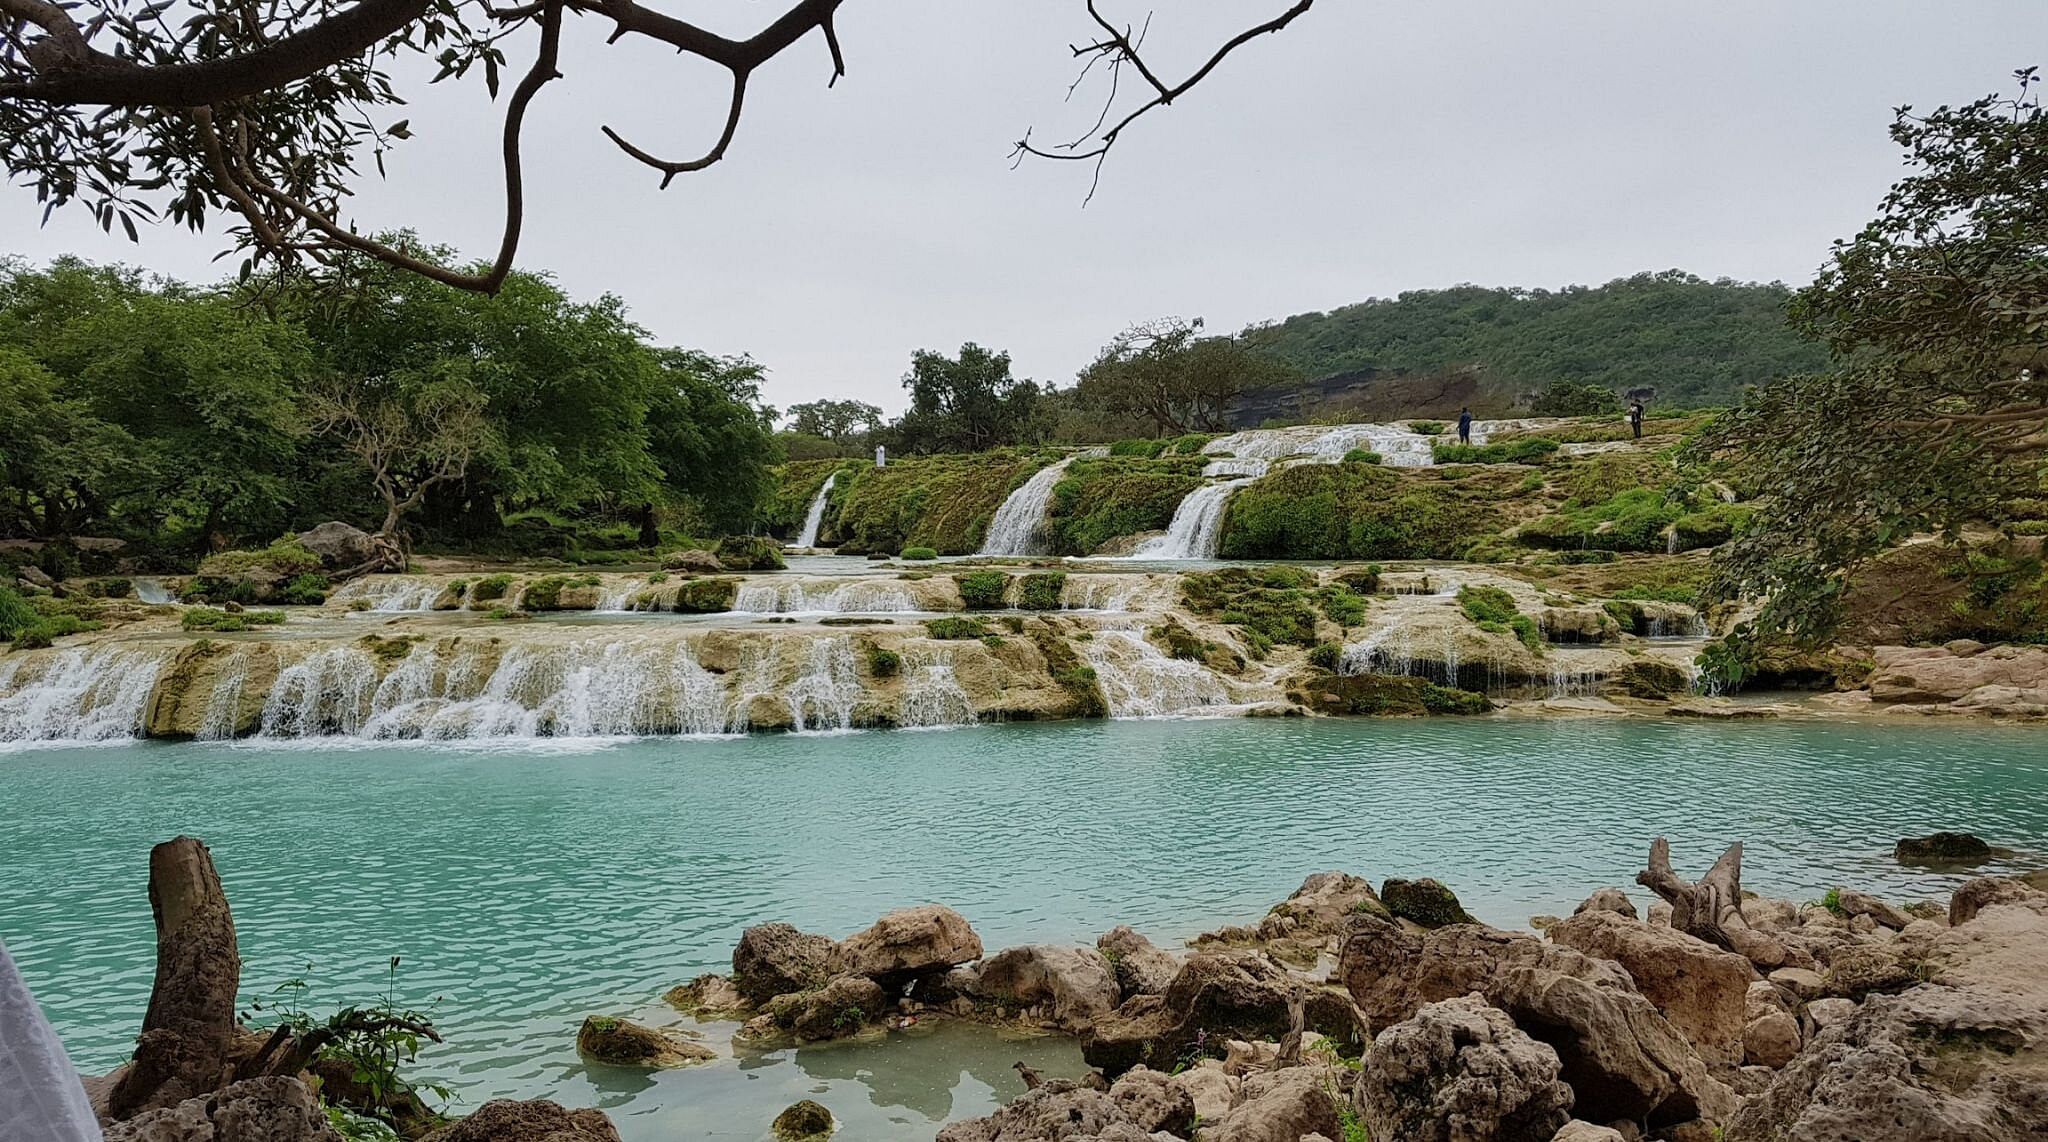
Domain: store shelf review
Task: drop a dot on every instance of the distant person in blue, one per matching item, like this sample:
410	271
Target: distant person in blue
1464	426
1635	417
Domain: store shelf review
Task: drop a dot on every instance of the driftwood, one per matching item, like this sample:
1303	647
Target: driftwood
189	1028
1710	908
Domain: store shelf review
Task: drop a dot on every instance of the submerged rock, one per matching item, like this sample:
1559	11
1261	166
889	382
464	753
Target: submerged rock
537	1120
622	1043
1959	849
804	1121
1460	1071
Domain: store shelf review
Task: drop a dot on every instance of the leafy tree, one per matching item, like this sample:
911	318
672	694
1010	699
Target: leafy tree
1163	371
712	438
1568	398
836	420
1935	414
968	403
409	436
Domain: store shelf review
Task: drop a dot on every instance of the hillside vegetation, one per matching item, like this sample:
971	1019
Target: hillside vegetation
1696	342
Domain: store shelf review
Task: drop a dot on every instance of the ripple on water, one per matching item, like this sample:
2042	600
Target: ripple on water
528	887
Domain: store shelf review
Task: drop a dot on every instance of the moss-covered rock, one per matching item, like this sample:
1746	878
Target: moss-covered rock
1041	591
982	590
706	596
1102	499
1424	901
1359	511
1381	695
750	553
940	502
1652	679
621	1043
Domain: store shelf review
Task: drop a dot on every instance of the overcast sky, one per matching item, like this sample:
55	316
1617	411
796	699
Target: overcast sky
1369	149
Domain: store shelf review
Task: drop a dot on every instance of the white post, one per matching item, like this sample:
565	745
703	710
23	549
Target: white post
881	456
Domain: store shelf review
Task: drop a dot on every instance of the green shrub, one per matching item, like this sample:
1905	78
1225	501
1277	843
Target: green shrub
1361	456
1585	555
202	618
918	553
1426	427
1269	605
283	558
883	663
941	502
657	578
1450	700
953	627
543	594
750	553
1326	655
309	589
1527	450
982	590
1632	520
1147	449
1190	444
1487	604
109	588
1358	511
490	587
1343	606
1098	500
16	615
38	633
1041	590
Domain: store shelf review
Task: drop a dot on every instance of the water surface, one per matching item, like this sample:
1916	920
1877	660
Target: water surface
528	887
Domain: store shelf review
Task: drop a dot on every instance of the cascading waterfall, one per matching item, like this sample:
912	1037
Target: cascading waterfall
327	692
1676	626
822	698
85	694
794	597
1197	527
391	593
1113	593
1139	681
152	591
1569	680
816	515
1019	525
619	599
224	703
932	694
1401	646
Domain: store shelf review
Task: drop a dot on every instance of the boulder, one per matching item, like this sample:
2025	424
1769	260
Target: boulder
750	553
1283	1106
1074	986
1212	1089
1825	1013
1974	895
909	943
538	1120
1652	680
1863	904
1215	998
272	1109
1954	849
1927	675
1426	902
841	1008
1858	971
803	1121
1141	968
1770	1040
1801	982
708	996
1460	1071
1608	900
1320	906
1579	1130
1151	1101
692	559
1058	1111
777	959
625	1044
1700	988
339	545
1622	1057
34	577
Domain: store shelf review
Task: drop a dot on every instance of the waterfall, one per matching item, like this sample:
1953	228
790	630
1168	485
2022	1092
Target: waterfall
1569	681
1114	593
822	698
1140	681
84	694
387	594
932	695
1197	527
224	704
816	515
795	597
1402	645
152	591
1019	525
327	692
619	598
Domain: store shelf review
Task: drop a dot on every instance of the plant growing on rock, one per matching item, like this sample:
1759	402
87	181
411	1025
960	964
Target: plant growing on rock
358	1052
1041	591
954	627
883	663
1494	610
918	554
982	590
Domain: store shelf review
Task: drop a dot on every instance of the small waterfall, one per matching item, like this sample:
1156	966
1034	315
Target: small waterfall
328	692
619	599
1197	527
1139	681
932	694
1115	593
1672	626
85	694
153	591
795	597
1569	681
822	698
224	704
388	594
815	516
1670	541
1019	525
1403	645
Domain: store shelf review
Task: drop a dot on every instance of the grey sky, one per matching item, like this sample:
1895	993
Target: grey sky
1369	149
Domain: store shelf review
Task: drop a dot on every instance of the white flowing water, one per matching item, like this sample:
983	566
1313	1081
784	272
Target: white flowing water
391	593
619	598
822	698
1573	679
153	591
796	597
87	694
1197	527
815	516
224	704
1139	681
1404	640
1019	525
1115	593
932	695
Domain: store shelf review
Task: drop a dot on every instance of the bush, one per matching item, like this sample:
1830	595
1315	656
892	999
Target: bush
1571	398
309	589
1426	427
1343	606
1148	449
1361	456
109	588
203	618
1101	499
982	590
283	558
1326	655
883	663
543	594
1633	520
750	553
1528	450
1190	444
941	502
953	628
16	615
490	587
918	554
1585	555
1270	605
1041	591
1487	604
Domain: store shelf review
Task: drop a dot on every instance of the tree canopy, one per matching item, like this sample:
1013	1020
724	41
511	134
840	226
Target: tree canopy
966	403
1164	371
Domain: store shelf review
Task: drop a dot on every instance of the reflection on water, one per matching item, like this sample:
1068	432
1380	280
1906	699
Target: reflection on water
531	888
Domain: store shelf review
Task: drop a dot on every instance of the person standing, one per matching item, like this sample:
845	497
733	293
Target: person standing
1465	426
1635	418
41	1096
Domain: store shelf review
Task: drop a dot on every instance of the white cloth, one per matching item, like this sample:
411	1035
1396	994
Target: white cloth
41	1097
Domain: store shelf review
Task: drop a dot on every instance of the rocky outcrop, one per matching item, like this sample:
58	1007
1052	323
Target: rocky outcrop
1298	928
1460	1071
1579	1130
1608	900
1151	1101
1069	988
274	1109
1141	968
692	559
842	1007
910	943
1282	1106
538	1120
1854	903
626	1044
1426	902
777	959
1058	1110
708	996
339	545
1697	986
1942	849
2001	680
1216	997
1974	895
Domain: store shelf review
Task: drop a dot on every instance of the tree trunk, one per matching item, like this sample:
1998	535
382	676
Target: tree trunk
190	1023
1711	909
650	534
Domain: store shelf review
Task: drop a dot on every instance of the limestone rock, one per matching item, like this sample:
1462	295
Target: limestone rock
1281	1107
1212	1089
908	943
626	1044
1579	1130
1320	906
273	1109
1915	675
1770	1040
1215	998
1867	968
1076	986
1956	849
1608	900
1460	1071
538	1120
1975	894
1151	1101
1825	1013
803	1121
1801	982
339	545
840	1008
1426	902
1141	968
777	959
708	996
693	559
1863	904
1700	988
1055	1112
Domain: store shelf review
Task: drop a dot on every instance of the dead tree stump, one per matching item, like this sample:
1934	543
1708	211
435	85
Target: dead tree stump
1711	908
190	1025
